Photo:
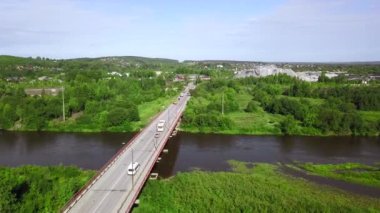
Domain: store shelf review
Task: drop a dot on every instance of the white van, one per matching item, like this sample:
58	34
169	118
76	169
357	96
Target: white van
162	121
132	168
160	125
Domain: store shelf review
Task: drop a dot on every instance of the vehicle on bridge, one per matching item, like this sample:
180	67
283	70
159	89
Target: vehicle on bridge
132	168
160	126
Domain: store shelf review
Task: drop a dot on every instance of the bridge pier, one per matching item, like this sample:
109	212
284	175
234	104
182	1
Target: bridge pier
153	176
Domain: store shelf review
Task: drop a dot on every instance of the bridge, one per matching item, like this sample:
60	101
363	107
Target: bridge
112	189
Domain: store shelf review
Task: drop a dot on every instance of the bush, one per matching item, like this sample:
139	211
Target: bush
251	106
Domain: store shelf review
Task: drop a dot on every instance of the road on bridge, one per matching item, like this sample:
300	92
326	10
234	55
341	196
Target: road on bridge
113	190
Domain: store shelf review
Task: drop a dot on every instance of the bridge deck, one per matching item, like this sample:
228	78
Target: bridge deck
113	190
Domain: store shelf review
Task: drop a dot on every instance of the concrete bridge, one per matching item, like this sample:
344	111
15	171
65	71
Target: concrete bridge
112	189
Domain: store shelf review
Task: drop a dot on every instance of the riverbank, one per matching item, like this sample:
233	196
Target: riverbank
249	188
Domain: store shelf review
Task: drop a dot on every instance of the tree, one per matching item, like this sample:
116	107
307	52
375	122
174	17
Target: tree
251	106
288	125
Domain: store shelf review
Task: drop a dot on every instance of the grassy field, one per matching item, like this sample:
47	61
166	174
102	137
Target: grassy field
150	109
258	122
350	172
249	188
370	115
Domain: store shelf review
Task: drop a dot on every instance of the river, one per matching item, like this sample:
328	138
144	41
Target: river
186	151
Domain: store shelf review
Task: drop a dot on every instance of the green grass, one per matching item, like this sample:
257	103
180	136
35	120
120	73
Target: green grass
39	189
313	101
243	98
150	109
350	172
249	188
257	123
371	116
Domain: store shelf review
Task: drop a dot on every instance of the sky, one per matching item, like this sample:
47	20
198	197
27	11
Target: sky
254	30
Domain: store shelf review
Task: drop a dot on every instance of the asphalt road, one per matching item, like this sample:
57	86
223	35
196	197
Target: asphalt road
114	190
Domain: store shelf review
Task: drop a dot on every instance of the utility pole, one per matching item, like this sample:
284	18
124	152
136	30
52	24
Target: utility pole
223	104
63	103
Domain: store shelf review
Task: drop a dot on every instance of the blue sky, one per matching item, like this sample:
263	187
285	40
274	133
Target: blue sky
282	30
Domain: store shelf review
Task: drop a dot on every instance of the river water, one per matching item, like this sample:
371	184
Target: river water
186	151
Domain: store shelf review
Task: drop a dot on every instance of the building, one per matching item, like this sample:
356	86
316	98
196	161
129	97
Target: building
43	91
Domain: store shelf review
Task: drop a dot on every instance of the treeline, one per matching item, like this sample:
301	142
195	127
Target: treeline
11	66
363	97
336	112
39	189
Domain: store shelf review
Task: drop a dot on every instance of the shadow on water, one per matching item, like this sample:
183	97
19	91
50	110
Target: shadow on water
168	160
86	150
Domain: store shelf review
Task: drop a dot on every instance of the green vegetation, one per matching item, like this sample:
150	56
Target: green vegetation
350	172
283	105
250	188
122	93
107	94
39	189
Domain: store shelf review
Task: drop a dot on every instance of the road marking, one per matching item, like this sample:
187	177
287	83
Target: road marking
109	192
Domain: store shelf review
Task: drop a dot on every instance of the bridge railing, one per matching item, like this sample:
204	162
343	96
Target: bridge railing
155	156
102	170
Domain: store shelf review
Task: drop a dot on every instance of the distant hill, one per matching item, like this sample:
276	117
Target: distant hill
130	59
6	59
10	60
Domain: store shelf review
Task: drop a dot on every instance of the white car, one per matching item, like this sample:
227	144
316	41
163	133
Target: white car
132	168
